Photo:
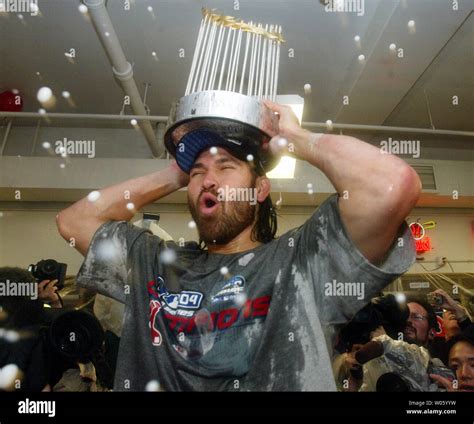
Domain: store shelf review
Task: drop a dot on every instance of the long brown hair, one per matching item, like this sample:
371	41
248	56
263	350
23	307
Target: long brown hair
265	227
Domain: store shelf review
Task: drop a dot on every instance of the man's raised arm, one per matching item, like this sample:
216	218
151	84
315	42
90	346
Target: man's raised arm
377	191
81	220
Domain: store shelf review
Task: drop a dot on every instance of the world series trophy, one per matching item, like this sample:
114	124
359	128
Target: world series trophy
228	81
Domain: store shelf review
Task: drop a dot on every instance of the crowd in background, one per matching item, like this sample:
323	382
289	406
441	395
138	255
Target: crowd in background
395	343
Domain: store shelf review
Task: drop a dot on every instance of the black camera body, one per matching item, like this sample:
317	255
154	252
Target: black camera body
73	336
383	311
49	269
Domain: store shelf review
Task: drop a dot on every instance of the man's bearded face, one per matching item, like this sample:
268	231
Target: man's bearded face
219	220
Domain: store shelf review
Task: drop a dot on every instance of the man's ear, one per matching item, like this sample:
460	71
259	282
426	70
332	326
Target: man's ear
264	187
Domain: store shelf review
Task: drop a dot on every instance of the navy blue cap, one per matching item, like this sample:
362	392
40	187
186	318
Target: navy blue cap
194	142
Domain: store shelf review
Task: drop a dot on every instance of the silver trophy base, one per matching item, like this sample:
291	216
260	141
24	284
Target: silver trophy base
232	115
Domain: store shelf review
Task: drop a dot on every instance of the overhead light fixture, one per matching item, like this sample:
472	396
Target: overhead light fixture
286	168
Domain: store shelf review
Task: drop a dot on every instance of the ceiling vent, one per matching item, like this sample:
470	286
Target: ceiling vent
427	176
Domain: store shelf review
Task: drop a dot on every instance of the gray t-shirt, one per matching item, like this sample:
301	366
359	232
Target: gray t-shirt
264	319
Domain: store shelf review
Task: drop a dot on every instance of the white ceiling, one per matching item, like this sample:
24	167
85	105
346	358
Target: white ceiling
383	90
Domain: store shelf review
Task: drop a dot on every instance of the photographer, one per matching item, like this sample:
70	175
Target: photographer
399	360
50	276
455	316
422	324
455	320
36	344
383	315
22	318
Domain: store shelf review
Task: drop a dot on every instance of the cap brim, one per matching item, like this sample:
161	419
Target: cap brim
195	142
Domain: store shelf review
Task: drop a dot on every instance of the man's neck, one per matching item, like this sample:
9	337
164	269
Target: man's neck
241	243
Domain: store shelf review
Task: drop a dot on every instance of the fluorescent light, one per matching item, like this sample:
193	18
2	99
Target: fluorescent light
286	168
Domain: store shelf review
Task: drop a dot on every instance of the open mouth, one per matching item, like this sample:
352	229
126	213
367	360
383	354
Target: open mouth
466	388
208	204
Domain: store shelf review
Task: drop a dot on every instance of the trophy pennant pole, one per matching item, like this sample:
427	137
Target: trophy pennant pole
234	68
217	57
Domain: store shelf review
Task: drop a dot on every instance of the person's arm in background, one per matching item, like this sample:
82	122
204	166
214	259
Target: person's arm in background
450	304
81	220
381	188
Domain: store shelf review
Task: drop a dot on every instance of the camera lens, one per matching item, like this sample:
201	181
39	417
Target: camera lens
49	267
76	334
76	342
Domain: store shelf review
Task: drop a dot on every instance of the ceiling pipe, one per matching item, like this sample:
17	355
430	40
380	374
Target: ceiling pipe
121	68
382	128
5	137
84	116
164	119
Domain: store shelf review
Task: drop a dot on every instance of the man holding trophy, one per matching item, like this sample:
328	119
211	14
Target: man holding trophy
243	309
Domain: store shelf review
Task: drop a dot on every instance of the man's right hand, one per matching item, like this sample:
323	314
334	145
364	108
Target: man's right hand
182	177
48	293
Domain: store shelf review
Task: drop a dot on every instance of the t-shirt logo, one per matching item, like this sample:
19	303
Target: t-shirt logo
230	290
184	300
192	325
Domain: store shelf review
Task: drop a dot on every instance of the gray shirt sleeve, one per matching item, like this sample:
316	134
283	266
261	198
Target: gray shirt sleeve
117	249
343	279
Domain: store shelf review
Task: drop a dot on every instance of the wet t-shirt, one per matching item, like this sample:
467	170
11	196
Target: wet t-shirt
263	319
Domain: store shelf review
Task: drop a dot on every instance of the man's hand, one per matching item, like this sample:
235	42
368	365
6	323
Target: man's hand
451	305
47	293
350	362
376	190
379	331
181	177
443	382
289	128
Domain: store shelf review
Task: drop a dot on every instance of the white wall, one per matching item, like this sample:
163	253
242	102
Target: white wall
28	236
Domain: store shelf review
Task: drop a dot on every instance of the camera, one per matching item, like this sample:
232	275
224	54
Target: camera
49	269
434	299
76	335
383	311
68	337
